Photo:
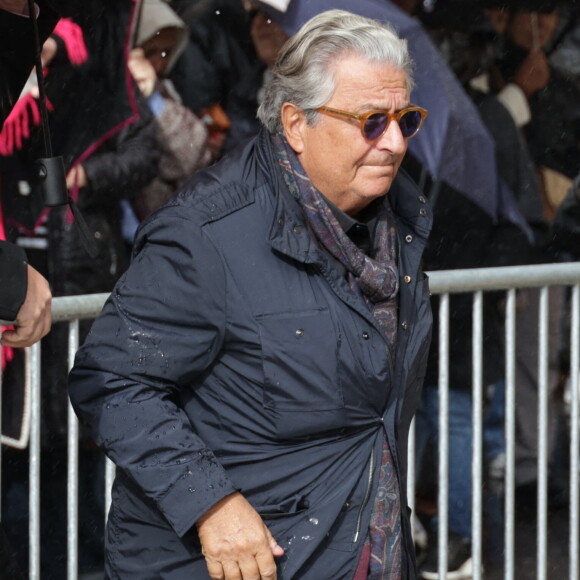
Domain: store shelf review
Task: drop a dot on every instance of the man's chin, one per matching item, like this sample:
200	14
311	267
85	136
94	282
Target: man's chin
381	184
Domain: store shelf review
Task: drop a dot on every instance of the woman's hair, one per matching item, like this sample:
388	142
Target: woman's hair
304	70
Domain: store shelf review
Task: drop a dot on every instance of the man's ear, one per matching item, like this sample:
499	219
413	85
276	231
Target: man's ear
294	122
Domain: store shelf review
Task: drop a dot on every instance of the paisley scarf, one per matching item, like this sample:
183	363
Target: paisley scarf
376	279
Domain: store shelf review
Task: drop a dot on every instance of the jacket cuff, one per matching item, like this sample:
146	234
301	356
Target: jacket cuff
190	497
13	273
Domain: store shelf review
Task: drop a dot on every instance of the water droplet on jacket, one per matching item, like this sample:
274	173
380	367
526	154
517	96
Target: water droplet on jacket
313	521
191	489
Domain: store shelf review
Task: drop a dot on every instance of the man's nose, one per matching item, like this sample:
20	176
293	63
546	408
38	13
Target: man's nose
392	139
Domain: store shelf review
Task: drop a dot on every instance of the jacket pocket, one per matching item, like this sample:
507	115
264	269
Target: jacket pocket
290	507
300	361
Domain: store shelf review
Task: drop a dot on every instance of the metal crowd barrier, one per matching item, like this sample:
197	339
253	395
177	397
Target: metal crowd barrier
508	279
444	283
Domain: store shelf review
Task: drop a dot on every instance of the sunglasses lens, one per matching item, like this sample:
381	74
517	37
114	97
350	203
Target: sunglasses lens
410	123
375	125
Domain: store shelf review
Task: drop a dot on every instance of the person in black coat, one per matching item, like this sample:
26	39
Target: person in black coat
24	294
90	103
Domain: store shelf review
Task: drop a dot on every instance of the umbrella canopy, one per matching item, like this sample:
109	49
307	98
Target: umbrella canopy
454	144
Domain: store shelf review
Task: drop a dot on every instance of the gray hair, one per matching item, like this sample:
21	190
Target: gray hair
304	70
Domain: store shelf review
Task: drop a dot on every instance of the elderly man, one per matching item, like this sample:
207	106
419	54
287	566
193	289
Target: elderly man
254	373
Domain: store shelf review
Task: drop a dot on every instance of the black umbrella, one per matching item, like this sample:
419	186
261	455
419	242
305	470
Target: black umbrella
50	168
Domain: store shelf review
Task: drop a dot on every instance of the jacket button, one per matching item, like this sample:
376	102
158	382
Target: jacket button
422	199
407	279
297	229
280	222
423	212
404	325
299	332
365	335
409	238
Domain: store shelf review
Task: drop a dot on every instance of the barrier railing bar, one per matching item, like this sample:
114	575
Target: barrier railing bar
411	472
575	434
510	434
504	278
110	470
33	376
543	335
477	455
443	476
66	308
72	467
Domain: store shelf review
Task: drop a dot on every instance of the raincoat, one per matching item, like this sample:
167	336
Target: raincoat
233	355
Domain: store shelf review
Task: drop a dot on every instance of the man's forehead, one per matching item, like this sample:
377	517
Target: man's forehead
371	84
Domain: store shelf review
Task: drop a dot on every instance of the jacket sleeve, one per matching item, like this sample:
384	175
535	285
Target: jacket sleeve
162	328
13	280
124	171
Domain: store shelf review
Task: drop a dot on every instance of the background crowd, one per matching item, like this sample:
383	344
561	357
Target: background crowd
141	95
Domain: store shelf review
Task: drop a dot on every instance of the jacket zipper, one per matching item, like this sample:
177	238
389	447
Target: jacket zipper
366	496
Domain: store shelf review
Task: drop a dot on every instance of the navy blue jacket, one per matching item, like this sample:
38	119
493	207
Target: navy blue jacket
233	355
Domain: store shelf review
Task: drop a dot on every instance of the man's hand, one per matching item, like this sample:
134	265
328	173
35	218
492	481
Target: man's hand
34	317
236	543
534	73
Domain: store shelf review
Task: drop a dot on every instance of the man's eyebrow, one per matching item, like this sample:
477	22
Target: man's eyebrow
366	108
